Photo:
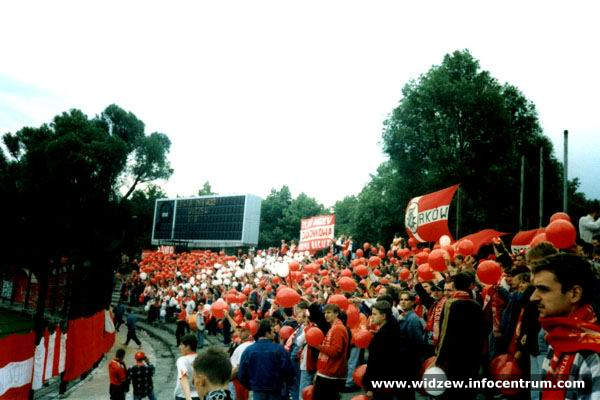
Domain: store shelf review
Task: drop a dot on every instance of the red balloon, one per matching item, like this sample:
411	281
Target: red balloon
231	298
325	281
374	261
285	332
346	272
287	297
560	215
218	308
361	270
353	316
489	272
307	284
294	266
362	338
405	274
384	281
361	397
314	336
276	280
311	268
359	253
505	367
422	257
561	234
358	374
340	300
465	247
450	250
412	242
539	238
323	272
425	272
307	392
377	272
437	260
347	284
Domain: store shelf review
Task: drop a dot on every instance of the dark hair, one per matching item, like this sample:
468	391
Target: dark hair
332	307
411	296
393	293
190	341
385	308
539	251
289	311
264	327
385	297
214	364
524	276
120	353
518	271
303	305
316	316
463	281
570	270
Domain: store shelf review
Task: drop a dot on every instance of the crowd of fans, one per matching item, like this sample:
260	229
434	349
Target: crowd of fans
300	326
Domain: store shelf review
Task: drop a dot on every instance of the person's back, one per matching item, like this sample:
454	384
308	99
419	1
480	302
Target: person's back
265	366
140	376
131	321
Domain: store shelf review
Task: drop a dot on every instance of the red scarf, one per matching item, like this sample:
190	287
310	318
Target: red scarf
567	336
433	323
497	304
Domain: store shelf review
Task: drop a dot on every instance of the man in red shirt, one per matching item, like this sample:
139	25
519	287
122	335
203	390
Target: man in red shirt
333	357
117	373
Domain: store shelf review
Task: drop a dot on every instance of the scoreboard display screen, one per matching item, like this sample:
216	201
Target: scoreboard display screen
207	221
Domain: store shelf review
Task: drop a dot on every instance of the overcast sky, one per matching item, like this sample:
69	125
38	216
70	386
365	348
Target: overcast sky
258	94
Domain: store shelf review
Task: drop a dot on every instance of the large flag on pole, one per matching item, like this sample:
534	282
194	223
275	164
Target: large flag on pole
426	216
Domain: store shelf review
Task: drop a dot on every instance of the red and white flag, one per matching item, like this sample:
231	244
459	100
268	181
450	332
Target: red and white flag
16	365
316	233
426	216
48	355
523	238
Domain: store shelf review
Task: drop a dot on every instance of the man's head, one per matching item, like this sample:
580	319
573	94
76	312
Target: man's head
301	312
427	287
381	312
331	312
562	282
212	370
120	354
407	300
188	344
436	292
538	252
464	281
265	330
448	287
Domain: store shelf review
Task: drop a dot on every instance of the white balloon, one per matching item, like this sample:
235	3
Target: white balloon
444	240
239	273
192	280
226	281
203	285
437	374
178	273
143	276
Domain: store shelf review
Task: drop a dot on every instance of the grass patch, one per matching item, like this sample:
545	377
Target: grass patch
14	322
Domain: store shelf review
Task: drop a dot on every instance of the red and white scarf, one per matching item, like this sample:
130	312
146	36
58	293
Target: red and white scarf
568	335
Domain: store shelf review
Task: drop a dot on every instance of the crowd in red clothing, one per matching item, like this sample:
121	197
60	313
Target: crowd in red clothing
398	311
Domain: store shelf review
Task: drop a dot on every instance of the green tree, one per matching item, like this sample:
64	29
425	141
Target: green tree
206	190
457	124
281	214
62	182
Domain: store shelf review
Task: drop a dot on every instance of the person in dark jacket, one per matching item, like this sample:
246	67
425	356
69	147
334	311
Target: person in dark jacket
392	356
265	366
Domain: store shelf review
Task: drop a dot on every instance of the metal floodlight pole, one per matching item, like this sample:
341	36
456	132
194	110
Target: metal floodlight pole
565	171
522	192
541	210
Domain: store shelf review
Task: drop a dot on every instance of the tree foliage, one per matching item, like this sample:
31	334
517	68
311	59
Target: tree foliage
457	124
62	180
281	214
206	190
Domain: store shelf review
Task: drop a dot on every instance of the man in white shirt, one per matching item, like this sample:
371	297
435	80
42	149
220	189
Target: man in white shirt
245	333
589	227
184	387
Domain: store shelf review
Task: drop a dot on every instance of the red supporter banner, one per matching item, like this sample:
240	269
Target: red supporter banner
426	216
16	365
88	342
482	238
48	356
316	233
523	238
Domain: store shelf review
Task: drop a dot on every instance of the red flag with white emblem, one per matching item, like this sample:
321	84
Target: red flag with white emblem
426	216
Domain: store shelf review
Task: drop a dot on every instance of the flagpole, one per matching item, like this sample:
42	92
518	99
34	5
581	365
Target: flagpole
522	192
457	212
541	210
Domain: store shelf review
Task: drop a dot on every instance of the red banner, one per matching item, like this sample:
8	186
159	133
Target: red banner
316	233
482	238
16	365
426	216
88	342
523	238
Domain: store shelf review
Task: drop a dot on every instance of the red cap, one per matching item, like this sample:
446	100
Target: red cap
140	356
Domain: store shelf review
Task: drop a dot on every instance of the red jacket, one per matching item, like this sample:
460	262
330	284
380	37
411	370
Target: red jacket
332	353
117	372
